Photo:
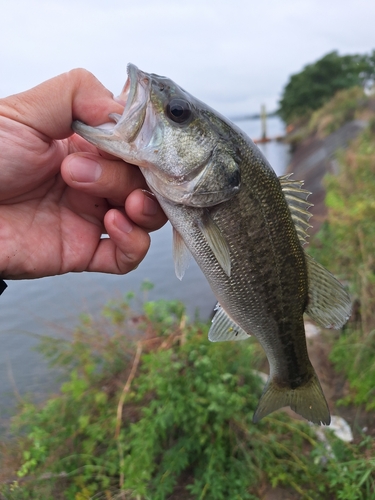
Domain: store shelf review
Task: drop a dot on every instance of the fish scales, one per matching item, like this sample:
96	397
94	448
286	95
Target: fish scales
263	266
244	226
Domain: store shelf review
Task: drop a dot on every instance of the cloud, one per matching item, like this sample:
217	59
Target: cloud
233	55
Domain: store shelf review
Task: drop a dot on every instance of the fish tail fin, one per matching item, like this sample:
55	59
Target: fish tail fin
307	400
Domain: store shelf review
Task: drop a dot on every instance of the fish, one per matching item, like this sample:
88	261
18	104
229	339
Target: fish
244	226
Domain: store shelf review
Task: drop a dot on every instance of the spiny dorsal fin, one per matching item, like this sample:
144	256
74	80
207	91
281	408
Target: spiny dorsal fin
329	303
224	328
181	255
215	241
296	198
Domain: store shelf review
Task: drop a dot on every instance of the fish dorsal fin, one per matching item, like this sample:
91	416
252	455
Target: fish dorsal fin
329	303
215	241
181	255
296	198
224	328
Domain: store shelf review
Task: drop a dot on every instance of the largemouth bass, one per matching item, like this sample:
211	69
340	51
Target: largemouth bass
244	226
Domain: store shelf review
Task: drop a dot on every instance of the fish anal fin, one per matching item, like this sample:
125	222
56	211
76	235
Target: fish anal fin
181	255
223	328
215	241
307	400
329	303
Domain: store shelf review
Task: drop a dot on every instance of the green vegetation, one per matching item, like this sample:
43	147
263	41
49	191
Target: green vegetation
151	410
345	106
346	245
317	83
346	241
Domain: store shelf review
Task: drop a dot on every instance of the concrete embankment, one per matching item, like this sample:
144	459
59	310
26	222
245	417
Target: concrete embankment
315	157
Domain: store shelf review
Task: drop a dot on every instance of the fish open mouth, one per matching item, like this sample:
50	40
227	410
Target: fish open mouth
131	132
126	127
134	96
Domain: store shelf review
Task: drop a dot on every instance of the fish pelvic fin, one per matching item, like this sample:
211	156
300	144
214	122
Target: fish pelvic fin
181	255
307	400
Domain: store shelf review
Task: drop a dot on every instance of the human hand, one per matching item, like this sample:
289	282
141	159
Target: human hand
58	194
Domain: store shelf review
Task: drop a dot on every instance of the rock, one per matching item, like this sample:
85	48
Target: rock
341	429
311	330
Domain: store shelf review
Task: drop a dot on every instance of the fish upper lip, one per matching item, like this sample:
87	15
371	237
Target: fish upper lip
137	83
134	95
129	91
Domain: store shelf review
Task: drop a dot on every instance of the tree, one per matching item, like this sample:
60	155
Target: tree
318	82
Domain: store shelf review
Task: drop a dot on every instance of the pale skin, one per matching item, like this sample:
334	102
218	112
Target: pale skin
59	194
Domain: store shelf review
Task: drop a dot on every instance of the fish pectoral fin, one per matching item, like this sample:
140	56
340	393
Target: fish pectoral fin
224	328
307	400
181	255
216	241
329	303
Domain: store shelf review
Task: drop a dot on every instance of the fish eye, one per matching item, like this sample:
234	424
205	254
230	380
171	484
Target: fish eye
178	110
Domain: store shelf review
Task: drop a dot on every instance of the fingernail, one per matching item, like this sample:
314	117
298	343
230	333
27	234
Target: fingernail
84	169
150	205
123	223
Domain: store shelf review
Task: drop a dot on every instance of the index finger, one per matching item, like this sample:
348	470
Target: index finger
51	107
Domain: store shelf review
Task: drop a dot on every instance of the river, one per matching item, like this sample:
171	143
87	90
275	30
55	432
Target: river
51	306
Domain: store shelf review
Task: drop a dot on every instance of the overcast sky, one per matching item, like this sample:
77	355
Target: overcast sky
232	54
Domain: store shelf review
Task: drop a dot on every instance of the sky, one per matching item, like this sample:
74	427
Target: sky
233	54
